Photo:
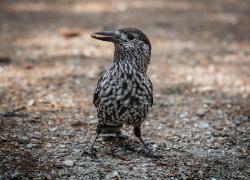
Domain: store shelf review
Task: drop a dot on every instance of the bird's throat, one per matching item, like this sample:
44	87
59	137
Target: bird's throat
135	58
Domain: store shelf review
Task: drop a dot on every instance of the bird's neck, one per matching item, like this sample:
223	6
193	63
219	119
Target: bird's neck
137	59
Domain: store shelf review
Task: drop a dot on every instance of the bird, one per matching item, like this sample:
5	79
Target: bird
124	92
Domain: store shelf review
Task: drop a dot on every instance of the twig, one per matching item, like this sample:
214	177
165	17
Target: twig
13	112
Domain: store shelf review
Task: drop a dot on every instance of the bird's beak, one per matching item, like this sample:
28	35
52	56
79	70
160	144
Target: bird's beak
112	36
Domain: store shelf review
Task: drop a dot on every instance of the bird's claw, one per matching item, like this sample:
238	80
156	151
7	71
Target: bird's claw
91	153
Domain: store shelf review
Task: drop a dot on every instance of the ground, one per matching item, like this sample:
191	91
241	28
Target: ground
49	66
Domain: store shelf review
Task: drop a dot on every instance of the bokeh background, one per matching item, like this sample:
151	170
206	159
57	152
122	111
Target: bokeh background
49	66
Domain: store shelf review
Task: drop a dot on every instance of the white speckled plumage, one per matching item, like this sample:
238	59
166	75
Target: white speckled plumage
124	91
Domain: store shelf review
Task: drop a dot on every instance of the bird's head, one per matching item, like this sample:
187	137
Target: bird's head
129	42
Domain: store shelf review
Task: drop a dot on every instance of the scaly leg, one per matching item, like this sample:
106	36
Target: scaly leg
137	132
98	132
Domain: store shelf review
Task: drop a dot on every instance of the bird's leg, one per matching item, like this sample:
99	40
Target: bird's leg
137	132
149	153
92	146
92	149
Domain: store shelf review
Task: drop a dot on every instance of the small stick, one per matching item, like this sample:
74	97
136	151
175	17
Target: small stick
13	112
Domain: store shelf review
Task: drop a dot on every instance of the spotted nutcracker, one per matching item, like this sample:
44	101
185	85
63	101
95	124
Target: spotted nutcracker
124	92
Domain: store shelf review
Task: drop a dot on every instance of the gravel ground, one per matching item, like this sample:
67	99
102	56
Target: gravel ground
49	65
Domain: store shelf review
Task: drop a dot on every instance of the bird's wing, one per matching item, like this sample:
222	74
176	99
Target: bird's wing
96	96
144	92
151	98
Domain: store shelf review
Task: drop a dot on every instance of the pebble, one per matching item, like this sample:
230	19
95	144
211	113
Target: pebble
31	102
70	133
24	140
68	162
72	178
183	114
206	165
240	119
48	176
203	125
53	129
201	113
30	146
15	175
208	134
189	163
115	174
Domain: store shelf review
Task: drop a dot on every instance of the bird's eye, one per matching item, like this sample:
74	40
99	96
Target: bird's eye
130	36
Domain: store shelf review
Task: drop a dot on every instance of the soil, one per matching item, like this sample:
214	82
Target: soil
49	66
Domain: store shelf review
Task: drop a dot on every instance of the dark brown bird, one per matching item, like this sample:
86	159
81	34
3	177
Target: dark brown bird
124	92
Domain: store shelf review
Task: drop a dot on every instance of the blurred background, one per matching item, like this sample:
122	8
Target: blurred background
49	66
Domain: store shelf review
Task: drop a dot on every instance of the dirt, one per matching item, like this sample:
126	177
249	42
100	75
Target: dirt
49	66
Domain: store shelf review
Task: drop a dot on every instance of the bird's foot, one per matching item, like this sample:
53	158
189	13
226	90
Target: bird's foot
148	152
92	153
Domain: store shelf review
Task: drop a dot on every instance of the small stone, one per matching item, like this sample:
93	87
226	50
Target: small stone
201	112
183	114
70	133
115	174
68	162
15	175
206	165
53	129
48	176
240	119
72	178
23	140
229	106
154	146
200	172
208	134
31	102
77	151
30	146
203	125
205	105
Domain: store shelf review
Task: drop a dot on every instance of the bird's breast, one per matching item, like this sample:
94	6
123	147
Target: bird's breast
128	89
